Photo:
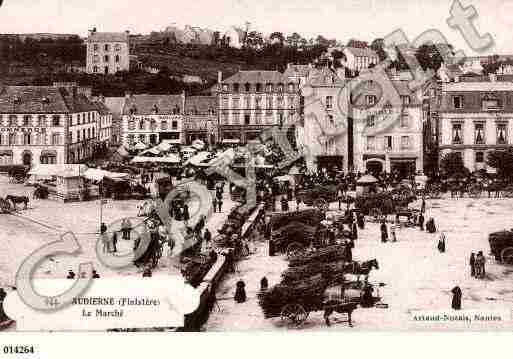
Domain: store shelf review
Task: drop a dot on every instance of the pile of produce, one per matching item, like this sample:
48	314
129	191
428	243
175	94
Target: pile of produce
323	255
293	274
311	217
196	269
386	202
294	232
307	291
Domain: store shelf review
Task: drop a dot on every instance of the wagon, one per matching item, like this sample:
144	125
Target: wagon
501	246
319	196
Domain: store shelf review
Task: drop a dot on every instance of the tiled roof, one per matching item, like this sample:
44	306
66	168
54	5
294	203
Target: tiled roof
145	104
373	88
108	37
297	70
200	104
359	52
478	86
102	109
42	99
324	77
242	77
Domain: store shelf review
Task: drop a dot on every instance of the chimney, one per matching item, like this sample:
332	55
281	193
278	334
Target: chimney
219	77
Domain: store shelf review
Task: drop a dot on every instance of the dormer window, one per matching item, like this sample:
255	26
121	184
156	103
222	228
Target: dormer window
45	100
490	102
457	102
235	87
225	87
269	87
247	87
259	87
26	120
280	87
405	100
155	109
291	87
371	100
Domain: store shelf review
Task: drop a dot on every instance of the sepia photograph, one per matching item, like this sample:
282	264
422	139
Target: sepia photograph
233	166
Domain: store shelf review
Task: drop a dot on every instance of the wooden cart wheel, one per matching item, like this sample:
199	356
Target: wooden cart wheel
294	249
294	314
321	204
507	255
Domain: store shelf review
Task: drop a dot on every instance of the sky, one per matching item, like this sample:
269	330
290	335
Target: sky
340	19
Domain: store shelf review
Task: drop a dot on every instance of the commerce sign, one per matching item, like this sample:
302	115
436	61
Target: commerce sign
24	129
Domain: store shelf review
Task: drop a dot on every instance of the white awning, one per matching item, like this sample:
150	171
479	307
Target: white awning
98	174
65	170
231	141
140	146
198	144
153	151
197	159
167	159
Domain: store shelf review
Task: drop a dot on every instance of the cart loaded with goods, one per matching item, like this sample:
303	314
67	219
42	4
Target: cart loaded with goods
501	246
316	281
319	196
233	225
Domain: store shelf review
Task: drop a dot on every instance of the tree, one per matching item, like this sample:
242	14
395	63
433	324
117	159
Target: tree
277	38
254	40
357	43
502	160
322	41
338	58
451	165
429	57
378	45
294	39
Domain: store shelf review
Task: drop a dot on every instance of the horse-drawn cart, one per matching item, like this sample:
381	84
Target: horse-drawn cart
501	246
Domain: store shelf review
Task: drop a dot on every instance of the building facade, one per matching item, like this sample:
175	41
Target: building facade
252	101
359	58
46	125
107	52
150	119
388	138
200	120
474	118
324	132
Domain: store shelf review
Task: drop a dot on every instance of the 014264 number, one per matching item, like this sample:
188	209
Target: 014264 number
18	349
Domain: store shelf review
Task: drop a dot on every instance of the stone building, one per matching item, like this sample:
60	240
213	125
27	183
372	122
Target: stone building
107	52
200	121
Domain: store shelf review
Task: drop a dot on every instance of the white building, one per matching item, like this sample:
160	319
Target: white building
359	58
150	119
325	129
387	138
46	124
104	122
474	118
235	37
107	52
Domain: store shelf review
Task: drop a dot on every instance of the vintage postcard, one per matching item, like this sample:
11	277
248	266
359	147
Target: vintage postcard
255	166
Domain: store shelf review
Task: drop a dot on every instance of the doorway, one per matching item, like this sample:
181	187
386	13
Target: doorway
27	158
404	169
374	167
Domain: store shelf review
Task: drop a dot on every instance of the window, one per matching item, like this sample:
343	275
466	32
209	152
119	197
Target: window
269	87
479	137
26	138
406	100
11	139
117	47
106	58
236	88
457	102
388	142
490	103
95	47
141	125
96	58
479	157
142	138
83	134
95	68
131	140
247	102
247	87
280	87
88	133
225	87
370	100
89	117
41	120
371	121
247	119
117	58
370	143
174	125
457	136
56	120
78	136
405	142
501	134
329	102
153	125
107	47
163	125
27	120
405	120
258	103
56	139
13	120
291	87
258	87
280	101
269	102
131	124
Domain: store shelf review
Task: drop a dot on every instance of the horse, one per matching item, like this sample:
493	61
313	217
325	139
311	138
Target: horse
17	199
364	268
